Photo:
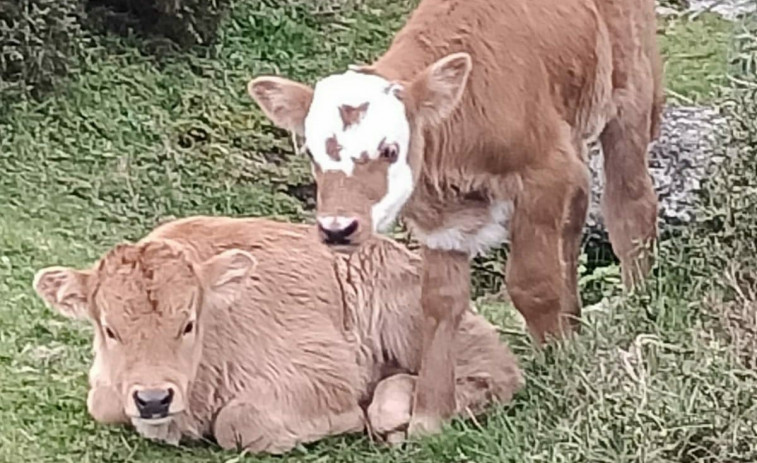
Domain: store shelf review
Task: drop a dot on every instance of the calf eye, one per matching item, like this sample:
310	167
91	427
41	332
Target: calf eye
189	328
389	152
109	333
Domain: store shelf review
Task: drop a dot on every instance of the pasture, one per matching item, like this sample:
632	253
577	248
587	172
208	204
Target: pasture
667	374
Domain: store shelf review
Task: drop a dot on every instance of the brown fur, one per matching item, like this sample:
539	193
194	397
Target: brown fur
351	115
580	65
281	354
333	148
502	97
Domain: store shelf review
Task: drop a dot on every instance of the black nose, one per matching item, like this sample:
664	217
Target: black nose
337	235
153	403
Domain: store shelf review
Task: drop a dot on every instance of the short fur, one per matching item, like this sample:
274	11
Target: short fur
287	354
502	97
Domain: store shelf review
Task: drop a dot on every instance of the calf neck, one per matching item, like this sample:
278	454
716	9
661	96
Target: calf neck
474	124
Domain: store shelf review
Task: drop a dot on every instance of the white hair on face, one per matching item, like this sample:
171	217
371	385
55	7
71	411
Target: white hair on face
384	120
398	191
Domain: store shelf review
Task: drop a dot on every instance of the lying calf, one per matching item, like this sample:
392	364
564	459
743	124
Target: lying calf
252	332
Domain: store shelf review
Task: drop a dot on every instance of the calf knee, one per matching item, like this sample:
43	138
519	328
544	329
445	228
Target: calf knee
534	292
540	301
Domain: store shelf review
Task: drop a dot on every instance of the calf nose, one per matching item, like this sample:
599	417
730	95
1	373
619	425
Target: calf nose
153	403
337	230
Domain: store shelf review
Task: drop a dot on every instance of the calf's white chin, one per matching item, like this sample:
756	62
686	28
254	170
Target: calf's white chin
162	430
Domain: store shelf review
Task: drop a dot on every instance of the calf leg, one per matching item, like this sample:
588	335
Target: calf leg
390	410
445	296
261	425
545	236
485	370
629	203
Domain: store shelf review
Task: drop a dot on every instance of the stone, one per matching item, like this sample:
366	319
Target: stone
730	10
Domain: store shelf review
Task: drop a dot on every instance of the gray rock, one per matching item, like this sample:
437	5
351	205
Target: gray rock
728	9
678	162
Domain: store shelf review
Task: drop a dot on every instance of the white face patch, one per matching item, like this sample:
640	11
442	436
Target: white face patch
382	119
399	189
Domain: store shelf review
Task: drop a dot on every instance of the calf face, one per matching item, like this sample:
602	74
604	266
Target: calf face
363	134
146	302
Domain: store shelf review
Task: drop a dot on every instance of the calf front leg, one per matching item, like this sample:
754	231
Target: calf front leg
546	229
445	296
487	372
390	410
629	202
485	369
264	425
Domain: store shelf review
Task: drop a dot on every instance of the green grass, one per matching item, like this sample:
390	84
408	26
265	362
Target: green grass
659	376
696	55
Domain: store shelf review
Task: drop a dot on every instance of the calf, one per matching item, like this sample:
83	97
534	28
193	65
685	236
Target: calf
476	121
255	333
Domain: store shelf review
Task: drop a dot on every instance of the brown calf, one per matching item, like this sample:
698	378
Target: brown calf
476	122
255	333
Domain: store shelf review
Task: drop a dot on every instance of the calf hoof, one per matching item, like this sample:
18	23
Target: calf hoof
424	425
635	270
395	438
554	326
389	412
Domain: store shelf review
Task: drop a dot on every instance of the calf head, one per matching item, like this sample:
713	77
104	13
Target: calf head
364	135
147	303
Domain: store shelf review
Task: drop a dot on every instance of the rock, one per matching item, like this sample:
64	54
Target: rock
667	11
678	161
728	9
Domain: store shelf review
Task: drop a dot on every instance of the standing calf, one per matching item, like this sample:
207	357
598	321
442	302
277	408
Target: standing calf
255	333
476	121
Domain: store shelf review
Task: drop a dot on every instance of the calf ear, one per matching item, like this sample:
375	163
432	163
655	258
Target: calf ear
64	289
224	275
437	90
286	103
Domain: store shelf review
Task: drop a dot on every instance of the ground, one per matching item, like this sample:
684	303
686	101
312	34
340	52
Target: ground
663	375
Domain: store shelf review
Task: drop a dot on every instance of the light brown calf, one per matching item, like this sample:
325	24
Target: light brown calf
255	333
474	123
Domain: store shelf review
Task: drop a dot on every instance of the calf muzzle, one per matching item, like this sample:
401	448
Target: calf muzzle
337	230
153	403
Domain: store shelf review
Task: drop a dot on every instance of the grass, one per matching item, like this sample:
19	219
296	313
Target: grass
695	55
660	376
